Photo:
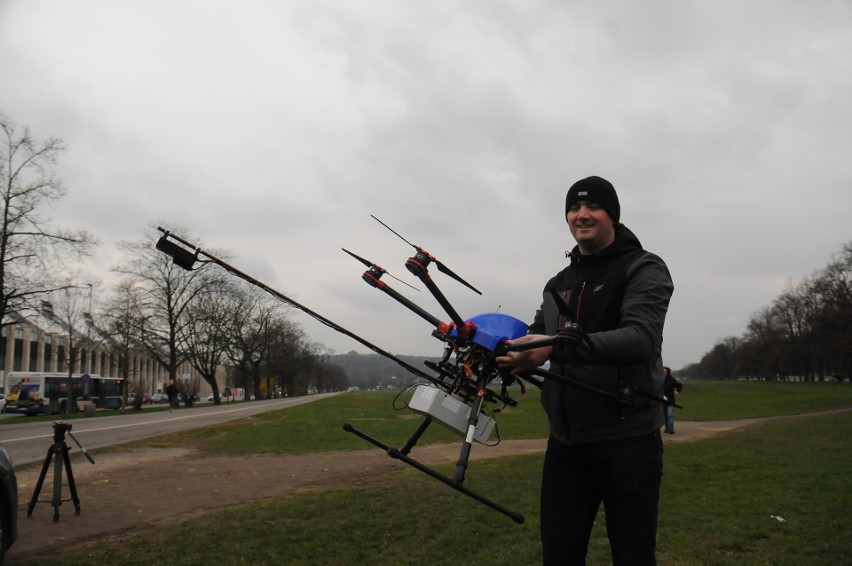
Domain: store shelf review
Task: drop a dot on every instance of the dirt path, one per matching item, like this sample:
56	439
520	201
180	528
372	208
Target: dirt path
128	490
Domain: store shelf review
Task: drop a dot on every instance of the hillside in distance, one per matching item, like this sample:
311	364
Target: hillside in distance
369	371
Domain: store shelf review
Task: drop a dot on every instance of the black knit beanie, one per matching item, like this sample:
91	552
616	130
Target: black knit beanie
597	190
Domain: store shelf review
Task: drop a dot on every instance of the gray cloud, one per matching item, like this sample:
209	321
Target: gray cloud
274	130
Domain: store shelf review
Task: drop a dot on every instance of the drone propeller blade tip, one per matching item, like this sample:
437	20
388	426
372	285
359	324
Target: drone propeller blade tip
361	259
561	305
444	269
398	235
441	266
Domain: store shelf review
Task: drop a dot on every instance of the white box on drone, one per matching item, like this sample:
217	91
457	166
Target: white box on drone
449	411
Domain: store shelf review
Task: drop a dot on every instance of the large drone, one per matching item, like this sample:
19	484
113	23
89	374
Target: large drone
463	382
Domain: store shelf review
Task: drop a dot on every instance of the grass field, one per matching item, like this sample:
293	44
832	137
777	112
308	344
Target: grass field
775	493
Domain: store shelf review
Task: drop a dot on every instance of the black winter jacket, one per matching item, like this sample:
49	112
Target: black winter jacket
621	297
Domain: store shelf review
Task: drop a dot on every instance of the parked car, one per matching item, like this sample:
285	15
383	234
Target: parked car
8	503
159	398
146	400
2	402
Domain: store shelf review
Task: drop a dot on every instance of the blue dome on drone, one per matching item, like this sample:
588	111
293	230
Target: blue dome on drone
493	328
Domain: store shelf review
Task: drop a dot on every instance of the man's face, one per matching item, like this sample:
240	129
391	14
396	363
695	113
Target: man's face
591	226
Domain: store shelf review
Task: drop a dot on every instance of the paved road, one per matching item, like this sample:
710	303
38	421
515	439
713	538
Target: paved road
29	442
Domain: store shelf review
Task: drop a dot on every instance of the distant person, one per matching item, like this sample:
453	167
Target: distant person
671	388
172	394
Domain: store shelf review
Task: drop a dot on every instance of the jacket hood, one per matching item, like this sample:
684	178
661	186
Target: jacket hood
625	241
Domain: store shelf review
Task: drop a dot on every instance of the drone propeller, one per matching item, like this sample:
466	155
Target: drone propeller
570	327
561	304
372	276
378	269
425	258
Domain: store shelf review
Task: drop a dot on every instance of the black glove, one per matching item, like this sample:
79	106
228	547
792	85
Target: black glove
570	336
509	379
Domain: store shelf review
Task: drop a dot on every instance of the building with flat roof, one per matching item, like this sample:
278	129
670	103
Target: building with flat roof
40	343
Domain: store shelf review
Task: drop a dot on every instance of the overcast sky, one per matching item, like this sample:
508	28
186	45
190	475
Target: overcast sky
274	129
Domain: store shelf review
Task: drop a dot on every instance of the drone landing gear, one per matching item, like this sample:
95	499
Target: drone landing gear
58	453
455	483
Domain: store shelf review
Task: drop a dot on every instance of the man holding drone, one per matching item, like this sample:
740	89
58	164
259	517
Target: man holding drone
602	448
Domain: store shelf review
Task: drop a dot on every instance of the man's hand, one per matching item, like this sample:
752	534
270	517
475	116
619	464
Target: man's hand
525	359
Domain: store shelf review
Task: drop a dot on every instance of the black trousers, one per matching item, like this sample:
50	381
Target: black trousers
624	475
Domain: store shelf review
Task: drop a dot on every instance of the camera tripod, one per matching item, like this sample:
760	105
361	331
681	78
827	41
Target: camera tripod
58	453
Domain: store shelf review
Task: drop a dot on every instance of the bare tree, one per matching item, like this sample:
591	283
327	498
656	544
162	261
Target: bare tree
253	324
31	251
291	359
188	389
208	333
69	311
121	317
329	376
833	287
166	291
805	334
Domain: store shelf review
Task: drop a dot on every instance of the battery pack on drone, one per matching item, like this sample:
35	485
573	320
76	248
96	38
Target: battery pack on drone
449	411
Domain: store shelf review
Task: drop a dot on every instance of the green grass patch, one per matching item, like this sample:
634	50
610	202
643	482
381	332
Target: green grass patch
720	505
775	493
729	400
318	426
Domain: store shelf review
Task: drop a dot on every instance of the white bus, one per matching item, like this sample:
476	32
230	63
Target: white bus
39	393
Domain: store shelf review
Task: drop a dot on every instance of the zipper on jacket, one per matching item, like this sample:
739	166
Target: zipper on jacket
579	301
571	294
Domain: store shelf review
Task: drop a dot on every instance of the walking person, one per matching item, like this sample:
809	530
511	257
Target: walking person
671	388
172	394
600	451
